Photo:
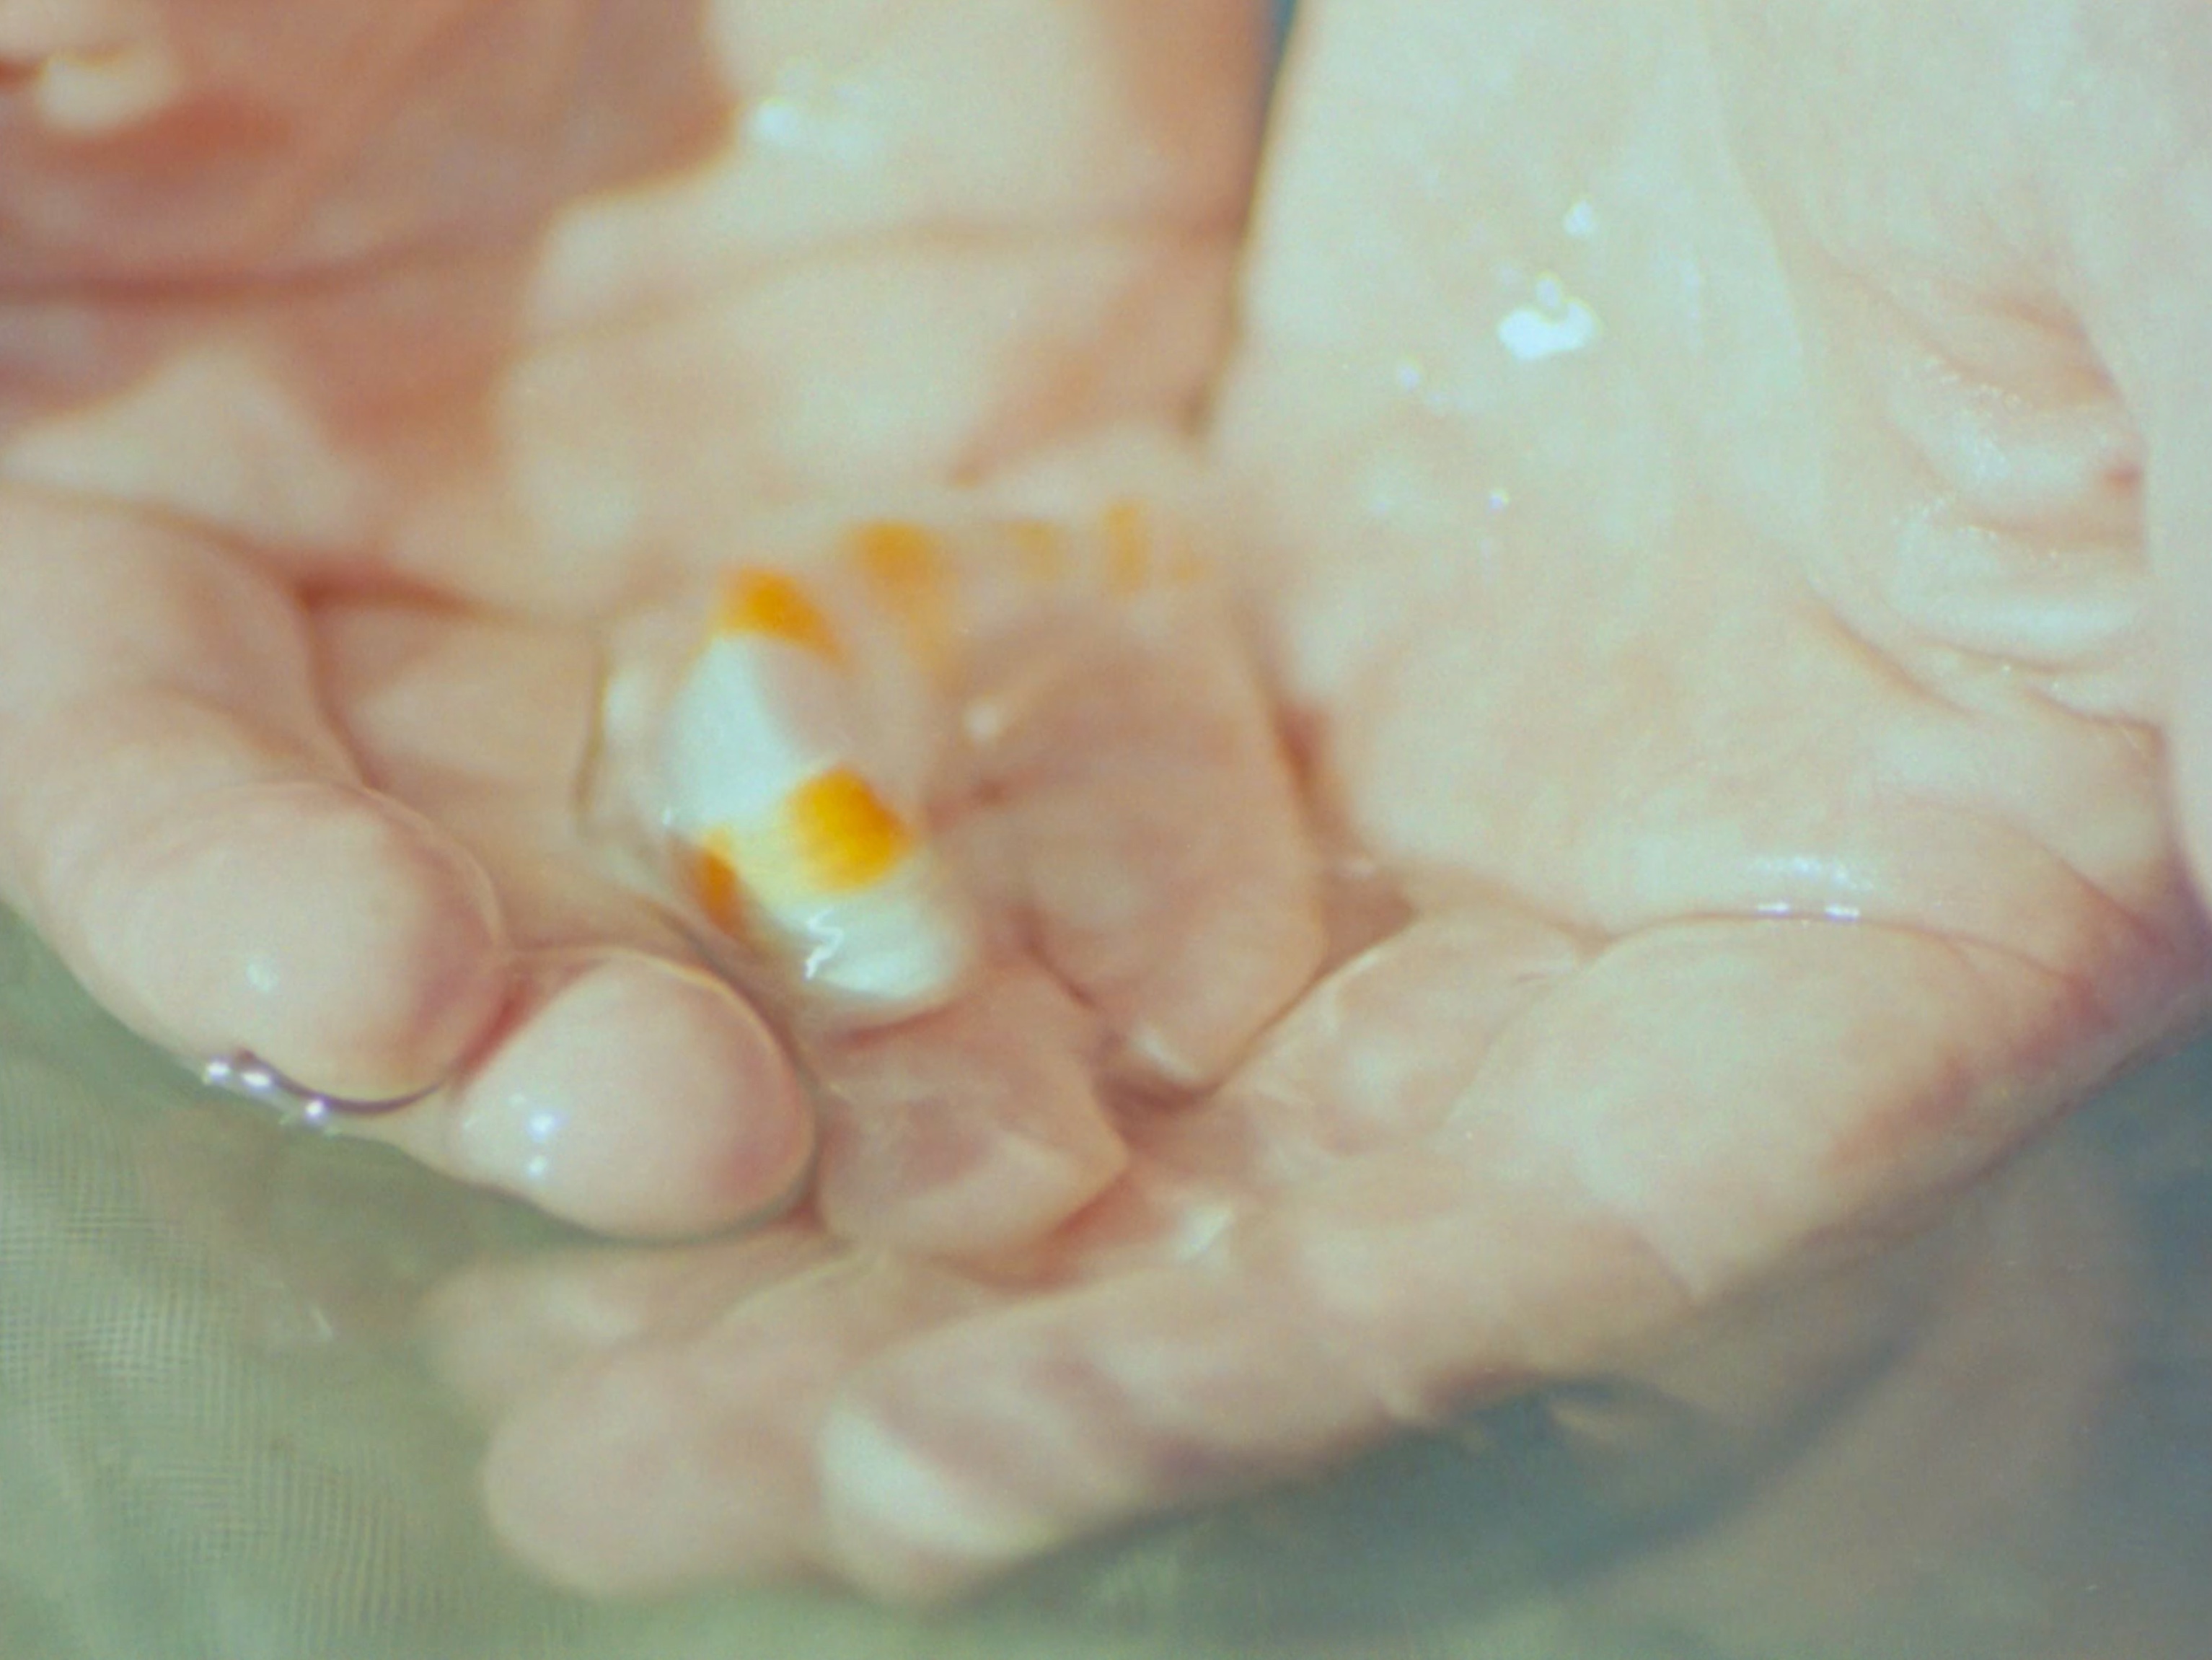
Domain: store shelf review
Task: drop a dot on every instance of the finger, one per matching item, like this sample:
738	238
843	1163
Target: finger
624	1087
505	1330
972	1130
184	827
622	1478
628	1093
1148	816
1687	1113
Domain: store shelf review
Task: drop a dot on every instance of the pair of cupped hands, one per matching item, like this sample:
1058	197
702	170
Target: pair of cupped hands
1696	761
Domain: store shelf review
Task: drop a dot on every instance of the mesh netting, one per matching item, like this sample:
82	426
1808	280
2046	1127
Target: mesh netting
217	1440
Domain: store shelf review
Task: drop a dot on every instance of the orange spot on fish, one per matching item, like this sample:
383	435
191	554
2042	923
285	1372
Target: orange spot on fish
715	884
770	603
843	836
905	569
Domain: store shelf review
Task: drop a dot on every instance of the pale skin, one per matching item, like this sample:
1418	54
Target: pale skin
1760	657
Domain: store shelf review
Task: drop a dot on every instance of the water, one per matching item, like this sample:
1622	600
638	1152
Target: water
216	1437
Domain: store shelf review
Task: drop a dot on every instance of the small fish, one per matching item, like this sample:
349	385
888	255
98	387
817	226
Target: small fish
783	837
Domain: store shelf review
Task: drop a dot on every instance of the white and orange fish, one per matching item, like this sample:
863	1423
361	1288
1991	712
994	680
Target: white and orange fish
783	837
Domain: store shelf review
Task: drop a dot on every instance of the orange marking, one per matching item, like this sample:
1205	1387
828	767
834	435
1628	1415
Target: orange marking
1040	551
844	836
904	566
1128	548
716	884
766	602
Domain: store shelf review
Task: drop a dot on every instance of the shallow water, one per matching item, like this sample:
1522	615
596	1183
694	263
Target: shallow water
217	1439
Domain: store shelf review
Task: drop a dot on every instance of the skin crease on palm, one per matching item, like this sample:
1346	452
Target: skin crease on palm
1714	489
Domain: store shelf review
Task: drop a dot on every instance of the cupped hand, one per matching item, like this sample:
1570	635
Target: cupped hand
1724	502
360	365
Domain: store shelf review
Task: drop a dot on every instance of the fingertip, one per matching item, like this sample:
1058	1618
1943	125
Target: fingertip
570	1517
911	1178
970	1132
500	1330
981	1446
638	1096
989	1442
903	1526
1231	974
640	1474
327	929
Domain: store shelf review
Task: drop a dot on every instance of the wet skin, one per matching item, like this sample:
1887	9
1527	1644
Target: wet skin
1716	504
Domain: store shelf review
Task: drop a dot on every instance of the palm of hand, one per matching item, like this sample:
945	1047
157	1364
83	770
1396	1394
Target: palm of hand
1773	788
1721	614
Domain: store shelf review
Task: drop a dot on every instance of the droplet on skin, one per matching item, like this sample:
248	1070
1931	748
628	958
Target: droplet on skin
811	114
776	121
1556	323
91	93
